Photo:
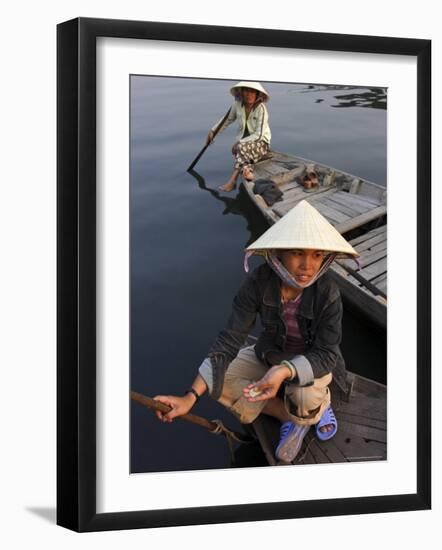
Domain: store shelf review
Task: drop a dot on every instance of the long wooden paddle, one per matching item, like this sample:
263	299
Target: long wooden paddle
201	153
215	427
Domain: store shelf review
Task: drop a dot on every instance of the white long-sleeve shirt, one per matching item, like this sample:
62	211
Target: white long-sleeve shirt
257	123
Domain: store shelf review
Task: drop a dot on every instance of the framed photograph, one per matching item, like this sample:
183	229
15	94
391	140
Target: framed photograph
179	147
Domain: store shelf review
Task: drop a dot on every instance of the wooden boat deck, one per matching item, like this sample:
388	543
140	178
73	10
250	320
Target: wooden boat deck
348	203
372	247
361	435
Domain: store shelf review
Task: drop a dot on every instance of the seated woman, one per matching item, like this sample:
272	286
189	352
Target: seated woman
253	140
287	373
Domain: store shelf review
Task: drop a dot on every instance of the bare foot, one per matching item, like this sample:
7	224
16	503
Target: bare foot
227	187
326	428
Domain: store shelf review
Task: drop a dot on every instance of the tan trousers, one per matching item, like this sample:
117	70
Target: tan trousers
305	405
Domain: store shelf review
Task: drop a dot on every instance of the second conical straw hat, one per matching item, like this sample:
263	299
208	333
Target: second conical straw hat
253	85
304	227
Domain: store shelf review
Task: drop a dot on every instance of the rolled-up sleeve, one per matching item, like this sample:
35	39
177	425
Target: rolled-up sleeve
206	372
304	370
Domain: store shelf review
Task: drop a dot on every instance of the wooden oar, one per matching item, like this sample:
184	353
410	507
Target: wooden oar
200	154
158	406
214	427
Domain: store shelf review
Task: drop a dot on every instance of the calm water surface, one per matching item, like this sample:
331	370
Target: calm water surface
187	240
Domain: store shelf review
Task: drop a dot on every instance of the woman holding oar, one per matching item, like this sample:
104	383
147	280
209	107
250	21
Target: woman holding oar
286	374
253	140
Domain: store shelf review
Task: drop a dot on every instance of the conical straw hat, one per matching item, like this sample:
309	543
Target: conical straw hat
253	85
304	227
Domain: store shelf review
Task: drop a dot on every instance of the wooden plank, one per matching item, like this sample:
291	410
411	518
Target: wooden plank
355	201
374	269
355	204
333	203
287	176
294	192
318	454
261	172
366	432
373	256
370	407
320	194
381	245
331	451
373	191
363	406
298	191
362	219
370	243
368	258
369	387
286	187
379	279
272	169
278	156
362	420
362	199
329	213
382	285
306	457
369	235
293	199
363	389
381	282
358	449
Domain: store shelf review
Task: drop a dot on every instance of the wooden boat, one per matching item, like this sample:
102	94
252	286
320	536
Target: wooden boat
355	207
362	428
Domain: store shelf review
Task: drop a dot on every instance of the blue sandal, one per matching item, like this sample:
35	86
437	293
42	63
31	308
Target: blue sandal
290	443
328	417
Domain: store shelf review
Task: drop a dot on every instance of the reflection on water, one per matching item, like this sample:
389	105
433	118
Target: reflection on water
187	242
374	98
239	205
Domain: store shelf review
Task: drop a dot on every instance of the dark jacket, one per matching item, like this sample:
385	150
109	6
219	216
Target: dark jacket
319	318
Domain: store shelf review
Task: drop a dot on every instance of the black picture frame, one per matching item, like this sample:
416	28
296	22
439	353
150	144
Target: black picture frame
76	273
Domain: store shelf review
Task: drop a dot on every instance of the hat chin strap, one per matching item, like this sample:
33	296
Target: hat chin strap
285	276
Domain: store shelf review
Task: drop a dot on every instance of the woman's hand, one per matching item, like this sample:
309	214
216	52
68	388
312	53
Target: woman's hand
209	138
235	148
179	406
269	384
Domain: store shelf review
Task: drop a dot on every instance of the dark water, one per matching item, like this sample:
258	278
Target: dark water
187	240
